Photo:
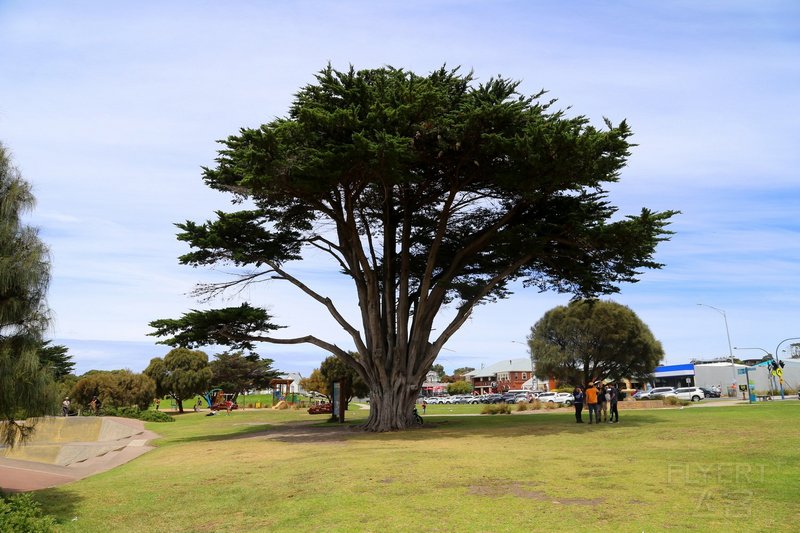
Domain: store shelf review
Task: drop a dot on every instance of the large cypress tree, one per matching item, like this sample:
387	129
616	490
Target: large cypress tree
425	192
26	387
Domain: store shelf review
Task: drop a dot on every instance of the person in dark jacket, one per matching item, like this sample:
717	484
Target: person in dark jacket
602	402
613	399
578	403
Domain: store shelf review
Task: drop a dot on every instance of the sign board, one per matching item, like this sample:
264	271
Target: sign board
741	371
337	399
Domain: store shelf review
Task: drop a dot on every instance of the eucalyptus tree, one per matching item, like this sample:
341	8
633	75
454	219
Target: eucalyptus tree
431	194
26	388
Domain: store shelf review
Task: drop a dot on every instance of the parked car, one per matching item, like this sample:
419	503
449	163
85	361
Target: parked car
491	398
710	393
510	397
525	397
545	396
561	397
694	394
656	393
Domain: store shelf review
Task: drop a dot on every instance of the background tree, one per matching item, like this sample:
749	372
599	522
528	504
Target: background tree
26	388
115	388
459	373
439	369
316	382
334	369
430	193
56	359
591	339
238	373
181	374
459	387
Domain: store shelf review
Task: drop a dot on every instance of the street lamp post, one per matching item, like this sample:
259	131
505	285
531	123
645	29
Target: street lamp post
728	333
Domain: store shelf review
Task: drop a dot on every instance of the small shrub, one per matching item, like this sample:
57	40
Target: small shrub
672	400
551	405
536	404
523	406
155	416
496	409
21	512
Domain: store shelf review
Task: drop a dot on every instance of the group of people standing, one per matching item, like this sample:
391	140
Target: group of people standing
601	401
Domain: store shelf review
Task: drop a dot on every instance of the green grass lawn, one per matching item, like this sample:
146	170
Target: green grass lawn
694	469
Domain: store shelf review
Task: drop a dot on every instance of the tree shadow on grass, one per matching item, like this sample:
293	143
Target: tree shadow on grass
435	427
489	426
58	502
493	426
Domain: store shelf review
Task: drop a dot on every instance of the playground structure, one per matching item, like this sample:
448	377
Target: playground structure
281	392
218	400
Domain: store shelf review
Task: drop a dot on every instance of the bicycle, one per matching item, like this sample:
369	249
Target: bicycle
417	419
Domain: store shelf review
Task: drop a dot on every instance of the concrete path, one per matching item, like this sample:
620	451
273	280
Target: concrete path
118	446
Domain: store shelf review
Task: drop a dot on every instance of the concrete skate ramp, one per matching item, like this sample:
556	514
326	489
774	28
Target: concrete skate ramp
67	441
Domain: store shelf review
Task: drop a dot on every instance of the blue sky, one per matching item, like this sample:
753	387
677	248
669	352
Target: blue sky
111	108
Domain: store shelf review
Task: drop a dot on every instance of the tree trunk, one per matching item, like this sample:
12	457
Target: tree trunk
391	406
180	405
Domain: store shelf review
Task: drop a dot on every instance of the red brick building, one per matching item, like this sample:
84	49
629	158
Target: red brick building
505	375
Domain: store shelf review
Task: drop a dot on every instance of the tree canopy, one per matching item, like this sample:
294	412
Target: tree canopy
460	387
316	382
589	340
181	374
428	193
26	388
237	373
56	358
459	373
334	369
439	369
116	388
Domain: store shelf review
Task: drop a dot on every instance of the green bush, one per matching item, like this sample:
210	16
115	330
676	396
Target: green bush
496	409
523	406
155	416
135	412
21	512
